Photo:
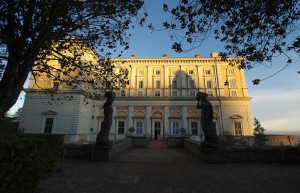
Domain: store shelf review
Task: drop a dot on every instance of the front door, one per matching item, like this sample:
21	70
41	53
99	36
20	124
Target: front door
157	130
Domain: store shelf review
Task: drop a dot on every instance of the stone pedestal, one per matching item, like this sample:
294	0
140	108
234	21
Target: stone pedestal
103	153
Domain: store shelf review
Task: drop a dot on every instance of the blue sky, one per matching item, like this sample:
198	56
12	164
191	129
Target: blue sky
275	101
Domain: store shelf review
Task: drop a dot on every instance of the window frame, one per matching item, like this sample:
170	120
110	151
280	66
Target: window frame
238	131
157	93
140	84
139	130
175	130
194	129
49	131
121	130
209	84
157	72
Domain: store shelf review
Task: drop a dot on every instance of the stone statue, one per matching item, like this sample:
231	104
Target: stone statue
207	124
103	136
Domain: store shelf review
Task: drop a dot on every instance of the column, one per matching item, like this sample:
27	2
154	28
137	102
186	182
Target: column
184	117
130	119
148	120
132	80
149	80
183	81
167	121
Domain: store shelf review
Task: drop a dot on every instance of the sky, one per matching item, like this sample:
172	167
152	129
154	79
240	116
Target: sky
275	101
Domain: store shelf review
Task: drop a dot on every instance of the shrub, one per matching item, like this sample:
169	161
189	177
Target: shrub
24	158
260	138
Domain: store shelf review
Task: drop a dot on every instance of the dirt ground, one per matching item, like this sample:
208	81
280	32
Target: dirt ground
170	171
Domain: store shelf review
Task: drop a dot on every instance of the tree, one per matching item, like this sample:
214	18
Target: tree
259	133
256	30
33	32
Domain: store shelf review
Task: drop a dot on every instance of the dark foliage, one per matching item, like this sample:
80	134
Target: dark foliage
25	158
255	30
33	32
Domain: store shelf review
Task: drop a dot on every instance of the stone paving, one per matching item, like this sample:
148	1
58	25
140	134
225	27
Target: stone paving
169	170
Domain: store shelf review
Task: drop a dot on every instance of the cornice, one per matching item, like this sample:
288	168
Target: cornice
173	60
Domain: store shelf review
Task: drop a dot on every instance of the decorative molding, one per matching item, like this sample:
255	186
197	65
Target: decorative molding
140	108
49	112
157	108
236	116
122	108
174	108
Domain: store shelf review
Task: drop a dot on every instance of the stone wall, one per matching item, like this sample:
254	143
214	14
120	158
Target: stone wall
273	140
175	141
224	154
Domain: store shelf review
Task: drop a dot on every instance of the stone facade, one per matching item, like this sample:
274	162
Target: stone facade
159	100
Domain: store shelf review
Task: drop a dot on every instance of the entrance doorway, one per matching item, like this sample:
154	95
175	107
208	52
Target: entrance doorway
157	130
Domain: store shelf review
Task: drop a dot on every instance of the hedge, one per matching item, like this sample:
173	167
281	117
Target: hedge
25	158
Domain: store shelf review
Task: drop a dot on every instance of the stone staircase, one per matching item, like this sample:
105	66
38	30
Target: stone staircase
157	144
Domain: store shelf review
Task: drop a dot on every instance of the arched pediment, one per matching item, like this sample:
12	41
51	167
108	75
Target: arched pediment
139	114
157	114
236	116
121	114
193	115
175	115
49	112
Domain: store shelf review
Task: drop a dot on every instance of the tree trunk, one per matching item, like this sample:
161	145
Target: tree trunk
12	82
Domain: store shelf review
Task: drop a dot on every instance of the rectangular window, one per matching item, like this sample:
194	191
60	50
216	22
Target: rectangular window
191	72
232	83
238	127
157	84
121	125
191	83
139	127
192	93
141	84
175	127
174	84
174	93
194	128
140	93
157	93
233	93
123	93
209	84
230	71
207	72
48	125
157	72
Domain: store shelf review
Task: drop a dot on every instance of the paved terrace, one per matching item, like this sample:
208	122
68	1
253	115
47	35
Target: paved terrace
158	169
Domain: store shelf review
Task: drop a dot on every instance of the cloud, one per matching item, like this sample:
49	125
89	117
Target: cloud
277	111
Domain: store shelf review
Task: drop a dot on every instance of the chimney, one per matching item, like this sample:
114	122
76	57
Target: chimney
215	54
165	55
132	56
197	56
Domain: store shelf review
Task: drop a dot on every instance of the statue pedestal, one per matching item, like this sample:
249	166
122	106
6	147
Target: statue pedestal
103	153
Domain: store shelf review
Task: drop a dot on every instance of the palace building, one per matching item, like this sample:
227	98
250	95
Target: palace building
159	101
